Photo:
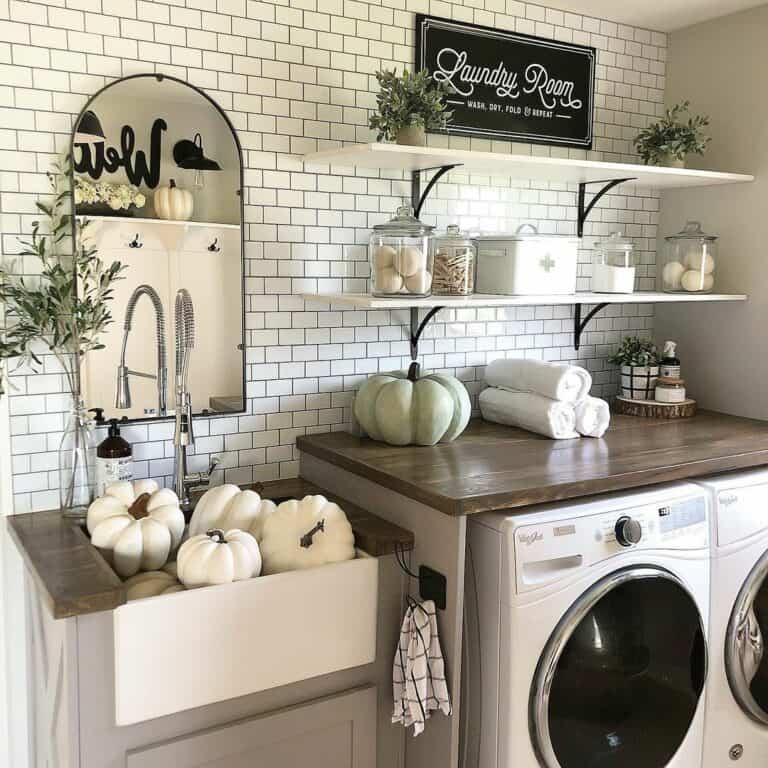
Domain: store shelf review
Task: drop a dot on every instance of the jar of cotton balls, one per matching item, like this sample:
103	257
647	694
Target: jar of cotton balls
689	261
401	258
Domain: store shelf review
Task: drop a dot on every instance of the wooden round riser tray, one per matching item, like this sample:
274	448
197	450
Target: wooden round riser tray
653	409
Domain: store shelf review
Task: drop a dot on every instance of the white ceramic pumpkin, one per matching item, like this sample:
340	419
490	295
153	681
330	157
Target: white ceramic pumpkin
216	557
403	409
227	507
151	584
136	524
173	202
306	533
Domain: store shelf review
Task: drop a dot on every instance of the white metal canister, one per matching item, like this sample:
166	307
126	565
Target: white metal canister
526	263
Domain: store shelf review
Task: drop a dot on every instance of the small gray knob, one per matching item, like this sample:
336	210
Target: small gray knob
628	531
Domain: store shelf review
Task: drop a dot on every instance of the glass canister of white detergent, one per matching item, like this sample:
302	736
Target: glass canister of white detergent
613	265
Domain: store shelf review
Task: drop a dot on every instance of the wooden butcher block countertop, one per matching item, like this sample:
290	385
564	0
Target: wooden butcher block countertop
492	467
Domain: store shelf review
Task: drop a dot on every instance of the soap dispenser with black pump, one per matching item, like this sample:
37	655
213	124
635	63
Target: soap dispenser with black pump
114	459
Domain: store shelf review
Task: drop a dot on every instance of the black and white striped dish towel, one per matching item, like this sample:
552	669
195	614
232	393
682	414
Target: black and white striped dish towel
418	674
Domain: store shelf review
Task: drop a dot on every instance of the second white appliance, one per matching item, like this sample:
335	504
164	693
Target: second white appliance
585	633
736	731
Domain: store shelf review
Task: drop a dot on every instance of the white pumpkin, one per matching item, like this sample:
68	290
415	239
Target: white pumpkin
217	557
136	524
305	534
227	507
173	202
151	584
403	409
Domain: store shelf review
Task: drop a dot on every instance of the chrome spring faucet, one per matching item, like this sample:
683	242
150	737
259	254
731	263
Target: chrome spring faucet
184	435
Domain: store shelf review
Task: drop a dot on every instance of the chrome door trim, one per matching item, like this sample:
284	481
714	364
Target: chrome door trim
541	687
744	643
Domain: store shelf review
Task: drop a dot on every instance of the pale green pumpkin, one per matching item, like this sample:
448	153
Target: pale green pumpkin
402	409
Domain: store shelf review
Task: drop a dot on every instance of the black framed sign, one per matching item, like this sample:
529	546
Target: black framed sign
505	85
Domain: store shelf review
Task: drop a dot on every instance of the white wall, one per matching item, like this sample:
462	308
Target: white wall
721	66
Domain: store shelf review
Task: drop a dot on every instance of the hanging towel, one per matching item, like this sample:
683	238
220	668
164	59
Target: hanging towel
530	411
418	673
558	381
592	416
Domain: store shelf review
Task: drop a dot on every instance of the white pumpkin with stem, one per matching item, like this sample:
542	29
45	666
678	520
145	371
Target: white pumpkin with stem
306	533
151	584
227	507
216	557
136	524
173	203
404	409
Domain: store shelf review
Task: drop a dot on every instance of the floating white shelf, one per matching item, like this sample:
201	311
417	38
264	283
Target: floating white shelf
404	158
162	222
364	301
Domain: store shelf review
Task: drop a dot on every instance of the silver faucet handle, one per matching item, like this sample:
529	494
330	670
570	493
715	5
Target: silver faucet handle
215	461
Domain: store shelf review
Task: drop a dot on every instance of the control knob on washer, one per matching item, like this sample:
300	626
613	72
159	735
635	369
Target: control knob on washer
628	531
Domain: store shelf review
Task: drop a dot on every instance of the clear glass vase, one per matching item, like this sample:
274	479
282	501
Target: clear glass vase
77	463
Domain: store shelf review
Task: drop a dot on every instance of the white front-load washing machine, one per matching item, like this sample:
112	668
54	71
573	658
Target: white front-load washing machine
736	723
585	633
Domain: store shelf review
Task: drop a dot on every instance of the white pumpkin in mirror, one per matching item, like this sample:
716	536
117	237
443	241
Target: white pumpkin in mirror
151	584
403	408
173	203
216	557
227	507
136	524
305	534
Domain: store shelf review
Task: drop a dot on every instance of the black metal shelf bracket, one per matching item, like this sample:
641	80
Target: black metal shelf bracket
579	325
418	198
417	328
585	210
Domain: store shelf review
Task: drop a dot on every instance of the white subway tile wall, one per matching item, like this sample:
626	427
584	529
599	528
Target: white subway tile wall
295	76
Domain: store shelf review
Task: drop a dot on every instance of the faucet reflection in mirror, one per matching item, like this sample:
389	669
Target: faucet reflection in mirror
123	390
184	435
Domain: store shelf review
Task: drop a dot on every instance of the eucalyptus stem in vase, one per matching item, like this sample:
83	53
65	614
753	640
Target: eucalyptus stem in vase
61	309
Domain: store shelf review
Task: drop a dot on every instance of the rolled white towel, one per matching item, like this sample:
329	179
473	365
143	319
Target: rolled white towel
558	381
592	416
552	418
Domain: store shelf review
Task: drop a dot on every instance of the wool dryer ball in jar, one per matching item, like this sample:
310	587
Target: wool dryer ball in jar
388	280
384	256
421	282
410	260
702	262
693	280
672	275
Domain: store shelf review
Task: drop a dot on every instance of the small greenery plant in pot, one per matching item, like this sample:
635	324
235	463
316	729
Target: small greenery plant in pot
670	140
408	105
639	361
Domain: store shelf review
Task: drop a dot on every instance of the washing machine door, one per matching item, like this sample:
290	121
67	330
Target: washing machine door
619	680
746	661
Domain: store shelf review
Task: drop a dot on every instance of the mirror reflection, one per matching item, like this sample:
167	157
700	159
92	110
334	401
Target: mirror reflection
157	180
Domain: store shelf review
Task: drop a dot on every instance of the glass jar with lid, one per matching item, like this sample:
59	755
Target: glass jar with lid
400	255
613	265
690	258
455	255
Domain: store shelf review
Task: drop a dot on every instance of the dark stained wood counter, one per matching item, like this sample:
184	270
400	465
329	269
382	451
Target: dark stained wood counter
492	467
74	578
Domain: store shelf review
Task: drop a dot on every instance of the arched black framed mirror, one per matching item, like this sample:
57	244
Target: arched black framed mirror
157	184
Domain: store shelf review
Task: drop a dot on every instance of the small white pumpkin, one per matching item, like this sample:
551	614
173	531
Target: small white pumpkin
402	408
216	557
136	525
305	534
173	202
227	507
151	584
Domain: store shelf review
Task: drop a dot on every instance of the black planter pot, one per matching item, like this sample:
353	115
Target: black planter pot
102	209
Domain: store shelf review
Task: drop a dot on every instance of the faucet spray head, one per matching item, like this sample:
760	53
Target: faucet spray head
123	390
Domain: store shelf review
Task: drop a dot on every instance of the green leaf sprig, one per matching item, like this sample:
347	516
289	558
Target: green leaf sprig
673	136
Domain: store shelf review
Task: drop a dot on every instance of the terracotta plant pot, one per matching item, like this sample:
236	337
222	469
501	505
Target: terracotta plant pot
412	135
638	382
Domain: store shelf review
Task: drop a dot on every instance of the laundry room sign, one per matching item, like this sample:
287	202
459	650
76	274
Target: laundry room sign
506	85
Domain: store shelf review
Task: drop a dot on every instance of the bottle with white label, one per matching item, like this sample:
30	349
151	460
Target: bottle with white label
114	459
670	364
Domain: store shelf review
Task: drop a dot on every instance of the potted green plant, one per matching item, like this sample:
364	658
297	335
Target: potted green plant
639	361
408	106
670	140
62	308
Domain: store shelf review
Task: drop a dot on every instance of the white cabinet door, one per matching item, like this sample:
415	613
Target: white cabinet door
335	732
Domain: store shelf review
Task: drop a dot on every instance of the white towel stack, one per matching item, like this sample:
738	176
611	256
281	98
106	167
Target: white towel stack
418	673
551	399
